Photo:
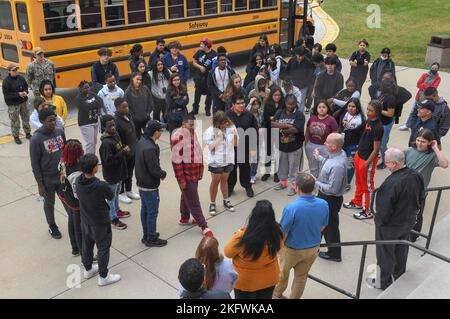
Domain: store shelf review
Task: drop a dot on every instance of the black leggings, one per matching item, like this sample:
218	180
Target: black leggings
159	108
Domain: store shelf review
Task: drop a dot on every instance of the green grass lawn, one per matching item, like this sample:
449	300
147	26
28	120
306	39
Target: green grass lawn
406	27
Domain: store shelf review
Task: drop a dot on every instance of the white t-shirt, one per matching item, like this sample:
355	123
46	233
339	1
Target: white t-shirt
222	79
223	154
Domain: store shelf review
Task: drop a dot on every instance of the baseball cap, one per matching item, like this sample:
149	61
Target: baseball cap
12	66
38	51
426	104
207	42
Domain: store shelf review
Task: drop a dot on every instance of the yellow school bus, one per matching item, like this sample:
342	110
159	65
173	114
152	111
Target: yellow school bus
71	31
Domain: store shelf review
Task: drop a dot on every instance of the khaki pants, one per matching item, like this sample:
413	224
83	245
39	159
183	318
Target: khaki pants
299	259
16	112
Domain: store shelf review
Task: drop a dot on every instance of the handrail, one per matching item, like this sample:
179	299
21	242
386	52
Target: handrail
428	236
363	259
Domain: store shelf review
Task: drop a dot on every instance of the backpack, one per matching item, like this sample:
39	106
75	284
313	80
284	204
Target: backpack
67	193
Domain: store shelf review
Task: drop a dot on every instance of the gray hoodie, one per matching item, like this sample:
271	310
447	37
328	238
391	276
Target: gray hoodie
45	154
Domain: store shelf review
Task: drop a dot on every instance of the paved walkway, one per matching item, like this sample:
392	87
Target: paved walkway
35	266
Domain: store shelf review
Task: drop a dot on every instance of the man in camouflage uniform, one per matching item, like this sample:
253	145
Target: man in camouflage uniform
15	92
39	70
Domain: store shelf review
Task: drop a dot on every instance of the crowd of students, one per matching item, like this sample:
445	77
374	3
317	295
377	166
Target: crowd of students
341	141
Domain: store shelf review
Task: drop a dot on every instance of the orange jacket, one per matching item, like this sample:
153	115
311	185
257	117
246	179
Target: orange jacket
252	274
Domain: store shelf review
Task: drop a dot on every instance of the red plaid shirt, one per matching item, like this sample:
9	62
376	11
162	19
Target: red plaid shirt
186	156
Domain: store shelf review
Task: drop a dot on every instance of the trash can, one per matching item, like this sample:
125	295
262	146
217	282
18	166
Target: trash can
439	50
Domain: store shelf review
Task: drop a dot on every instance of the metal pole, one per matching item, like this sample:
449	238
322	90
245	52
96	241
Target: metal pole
291	25
305	17
433	219
361	271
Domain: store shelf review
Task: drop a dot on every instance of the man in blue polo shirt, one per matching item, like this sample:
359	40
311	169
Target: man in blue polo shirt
302	222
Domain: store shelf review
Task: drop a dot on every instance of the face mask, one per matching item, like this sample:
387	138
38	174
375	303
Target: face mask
433	71
383	58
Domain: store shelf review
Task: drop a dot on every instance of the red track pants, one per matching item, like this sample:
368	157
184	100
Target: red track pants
364	181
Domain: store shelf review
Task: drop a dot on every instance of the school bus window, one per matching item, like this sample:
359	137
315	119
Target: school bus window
22	17
6	22
114	14
240	5
210	7
9	53
226	5
136	11
254	4
157	10
176	9
58	16
91	14
269	3
194	8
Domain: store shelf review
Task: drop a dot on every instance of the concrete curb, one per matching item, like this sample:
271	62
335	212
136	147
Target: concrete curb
331	26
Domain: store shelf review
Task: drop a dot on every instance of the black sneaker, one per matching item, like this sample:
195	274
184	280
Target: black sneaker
265	177
28	136
276	179
17	140
117	224
156	243
212	209
381	166
54	232
208	113
75	252
362	215
144	240
193	112
351	205
250	192
228	205
306	110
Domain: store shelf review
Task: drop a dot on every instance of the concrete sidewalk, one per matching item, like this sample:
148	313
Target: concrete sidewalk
35	266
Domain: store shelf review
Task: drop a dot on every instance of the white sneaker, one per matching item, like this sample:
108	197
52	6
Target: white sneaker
110	279
133	195
124	199
403	128
253	180
91	273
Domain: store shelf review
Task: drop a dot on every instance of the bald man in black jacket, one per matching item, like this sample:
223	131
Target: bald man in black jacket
397	201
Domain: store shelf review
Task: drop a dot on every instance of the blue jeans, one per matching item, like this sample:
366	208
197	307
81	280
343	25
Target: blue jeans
350	151
385	139
149	213
114	203
410	120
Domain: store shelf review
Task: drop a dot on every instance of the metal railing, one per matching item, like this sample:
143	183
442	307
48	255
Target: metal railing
363	260
439	191
425	249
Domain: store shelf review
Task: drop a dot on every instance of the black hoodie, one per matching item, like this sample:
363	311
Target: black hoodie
114	164
92	194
